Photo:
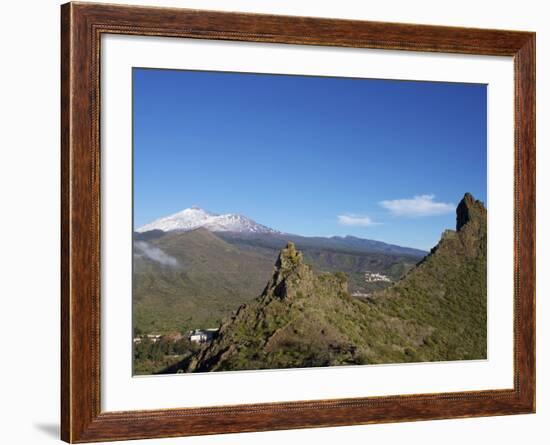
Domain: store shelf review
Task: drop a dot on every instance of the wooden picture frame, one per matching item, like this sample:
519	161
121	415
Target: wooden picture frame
82	25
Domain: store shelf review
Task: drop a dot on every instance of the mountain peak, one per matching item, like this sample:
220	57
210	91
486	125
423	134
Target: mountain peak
470	237
289	257
469	209
195	217
289	271
288	317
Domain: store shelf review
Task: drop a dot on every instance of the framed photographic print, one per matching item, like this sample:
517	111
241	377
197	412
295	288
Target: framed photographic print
275	222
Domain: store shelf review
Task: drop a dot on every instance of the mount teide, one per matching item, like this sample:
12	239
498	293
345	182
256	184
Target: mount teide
195	217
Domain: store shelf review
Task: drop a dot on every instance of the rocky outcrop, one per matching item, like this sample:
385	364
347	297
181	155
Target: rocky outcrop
301	319
291	275
447	290
470	238
285	326
470	210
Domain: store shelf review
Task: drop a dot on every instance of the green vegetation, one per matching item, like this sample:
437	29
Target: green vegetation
151	357
436	312
212	279
216	273
329	255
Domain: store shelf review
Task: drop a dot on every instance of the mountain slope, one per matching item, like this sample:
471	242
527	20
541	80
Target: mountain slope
192	279
301	319
194	218
210	280
335	255
274	331
354	256
448	290
277	241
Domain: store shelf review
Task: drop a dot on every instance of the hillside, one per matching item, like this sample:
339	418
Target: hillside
339	243
210	280
302	319
448	290
351	255
192	279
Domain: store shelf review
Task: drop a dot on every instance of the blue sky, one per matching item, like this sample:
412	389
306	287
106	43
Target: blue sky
315	156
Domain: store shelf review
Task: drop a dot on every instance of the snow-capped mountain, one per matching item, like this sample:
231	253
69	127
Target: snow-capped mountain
195	217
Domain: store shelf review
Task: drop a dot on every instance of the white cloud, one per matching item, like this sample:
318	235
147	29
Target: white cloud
356	220
421	205
156	254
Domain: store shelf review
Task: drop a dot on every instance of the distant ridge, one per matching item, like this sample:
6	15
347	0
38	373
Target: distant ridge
241	230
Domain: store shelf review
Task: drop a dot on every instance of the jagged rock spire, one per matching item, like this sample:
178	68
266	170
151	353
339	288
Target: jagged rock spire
469	209
289	268
289	258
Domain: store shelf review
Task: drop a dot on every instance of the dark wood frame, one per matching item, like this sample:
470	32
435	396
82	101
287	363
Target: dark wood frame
82	25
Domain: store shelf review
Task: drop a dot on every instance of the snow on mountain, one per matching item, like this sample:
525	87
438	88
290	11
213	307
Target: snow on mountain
195	217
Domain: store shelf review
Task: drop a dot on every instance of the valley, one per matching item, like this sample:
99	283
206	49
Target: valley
436	312
213	301
193	279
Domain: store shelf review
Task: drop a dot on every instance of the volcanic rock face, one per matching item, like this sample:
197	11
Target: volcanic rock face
436	312
469	210
470	238
290	276
281	329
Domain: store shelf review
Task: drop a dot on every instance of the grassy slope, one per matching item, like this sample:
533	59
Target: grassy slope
448	291
207	284
216	274
436	312
304	319
331	255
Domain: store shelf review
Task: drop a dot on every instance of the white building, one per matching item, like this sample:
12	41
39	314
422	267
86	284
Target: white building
202	335
153	337
371	277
